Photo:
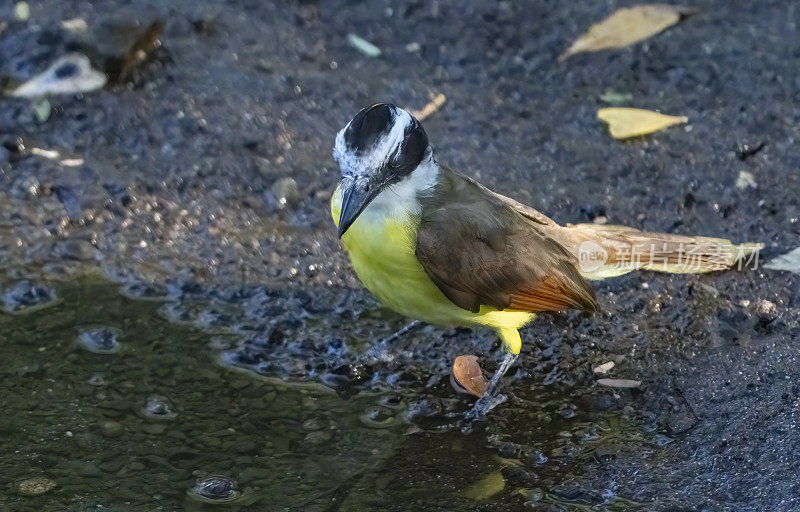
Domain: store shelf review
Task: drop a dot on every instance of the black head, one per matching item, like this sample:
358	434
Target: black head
368	126
381	139
380	146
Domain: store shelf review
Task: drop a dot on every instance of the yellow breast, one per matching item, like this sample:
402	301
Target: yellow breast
381	247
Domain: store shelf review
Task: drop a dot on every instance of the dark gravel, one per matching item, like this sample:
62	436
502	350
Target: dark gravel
183	196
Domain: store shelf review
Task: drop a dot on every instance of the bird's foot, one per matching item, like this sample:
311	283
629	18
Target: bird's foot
484	404
491	398
380	351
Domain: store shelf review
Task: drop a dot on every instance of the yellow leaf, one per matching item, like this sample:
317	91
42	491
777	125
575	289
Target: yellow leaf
631	122
486	487
627	26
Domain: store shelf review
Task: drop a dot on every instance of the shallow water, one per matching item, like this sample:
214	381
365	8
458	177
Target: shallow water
139	427
80	418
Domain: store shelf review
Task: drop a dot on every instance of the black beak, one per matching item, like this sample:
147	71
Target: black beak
356	195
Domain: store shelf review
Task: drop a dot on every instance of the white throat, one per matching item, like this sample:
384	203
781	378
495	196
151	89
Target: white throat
400	199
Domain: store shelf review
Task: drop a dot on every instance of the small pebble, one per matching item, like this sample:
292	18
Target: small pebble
36	486
22	11
286	191
679	423
517	476
112	428
745	181
79	250
766	309
507	450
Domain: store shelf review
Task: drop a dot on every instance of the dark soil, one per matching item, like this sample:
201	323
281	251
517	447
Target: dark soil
183	196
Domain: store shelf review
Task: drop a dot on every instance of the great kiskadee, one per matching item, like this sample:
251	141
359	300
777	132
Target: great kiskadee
434	245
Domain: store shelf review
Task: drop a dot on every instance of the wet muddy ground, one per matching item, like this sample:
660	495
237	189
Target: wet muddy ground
179	245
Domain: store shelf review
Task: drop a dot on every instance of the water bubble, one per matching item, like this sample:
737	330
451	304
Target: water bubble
158	407
100	340
378	417
97	380
215	489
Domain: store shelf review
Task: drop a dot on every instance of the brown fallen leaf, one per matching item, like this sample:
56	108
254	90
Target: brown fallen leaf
468	375
627	26
431	107
632	122
603	368
619	383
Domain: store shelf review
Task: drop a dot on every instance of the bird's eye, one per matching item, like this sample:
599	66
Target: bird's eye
411	151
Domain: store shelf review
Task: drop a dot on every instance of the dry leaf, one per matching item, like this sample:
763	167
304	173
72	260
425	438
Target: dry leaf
468	375
789	261
619	383
631	122
69	74
627	26
616	98
364	46
603	368
432	106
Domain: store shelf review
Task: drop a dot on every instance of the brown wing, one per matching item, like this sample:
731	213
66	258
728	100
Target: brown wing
480	250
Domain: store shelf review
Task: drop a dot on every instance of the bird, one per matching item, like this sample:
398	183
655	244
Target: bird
437	246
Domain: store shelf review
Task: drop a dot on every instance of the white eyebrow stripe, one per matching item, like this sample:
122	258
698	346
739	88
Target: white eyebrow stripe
378	155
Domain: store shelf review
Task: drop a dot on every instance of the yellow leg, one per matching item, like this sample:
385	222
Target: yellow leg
510	338
512	345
